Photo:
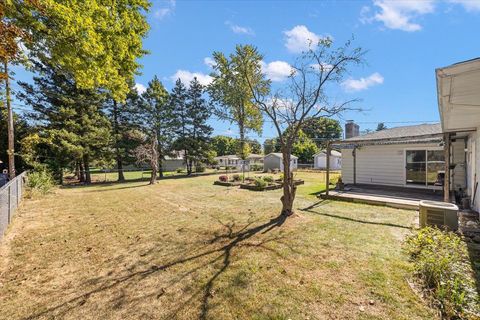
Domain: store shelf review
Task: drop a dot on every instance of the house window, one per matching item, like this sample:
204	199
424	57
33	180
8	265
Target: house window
425	167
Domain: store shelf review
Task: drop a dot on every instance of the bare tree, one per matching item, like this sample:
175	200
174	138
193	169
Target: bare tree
148	153
314	73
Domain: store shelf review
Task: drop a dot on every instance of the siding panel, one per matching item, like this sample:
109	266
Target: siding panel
382	164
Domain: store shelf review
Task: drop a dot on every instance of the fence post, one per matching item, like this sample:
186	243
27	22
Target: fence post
9	203
18	192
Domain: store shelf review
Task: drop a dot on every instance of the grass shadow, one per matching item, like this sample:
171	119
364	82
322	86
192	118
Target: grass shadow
234	239
322	202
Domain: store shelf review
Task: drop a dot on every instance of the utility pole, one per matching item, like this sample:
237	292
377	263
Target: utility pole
11	146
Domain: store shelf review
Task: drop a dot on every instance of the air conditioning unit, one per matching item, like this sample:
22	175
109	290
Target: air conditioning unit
440	214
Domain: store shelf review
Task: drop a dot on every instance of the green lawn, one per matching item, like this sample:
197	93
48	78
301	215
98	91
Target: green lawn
186	249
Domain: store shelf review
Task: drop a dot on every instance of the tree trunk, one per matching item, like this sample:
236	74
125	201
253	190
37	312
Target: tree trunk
154	159
187	162
81	174
10	127
77	170
116	132
289	188
86	163
160	167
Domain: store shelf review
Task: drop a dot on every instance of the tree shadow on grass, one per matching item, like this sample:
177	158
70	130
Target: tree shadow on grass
322	202
100	183
234	239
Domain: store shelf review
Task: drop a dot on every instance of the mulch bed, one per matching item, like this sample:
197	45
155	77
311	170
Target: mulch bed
227	183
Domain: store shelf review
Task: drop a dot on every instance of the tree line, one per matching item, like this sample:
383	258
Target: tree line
84	56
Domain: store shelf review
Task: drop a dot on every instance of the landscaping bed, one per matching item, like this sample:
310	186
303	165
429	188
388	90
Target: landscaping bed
227	183
265	183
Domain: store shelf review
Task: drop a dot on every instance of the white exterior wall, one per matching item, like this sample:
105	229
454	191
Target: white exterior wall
458	158
320	162
272	162
380	164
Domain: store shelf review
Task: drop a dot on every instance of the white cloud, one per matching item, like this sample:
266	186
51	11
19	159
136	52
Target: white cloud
322	67
276	70
240	29
398	14
352	85
469	5
165	11
299	39
209	62
140	88
187	77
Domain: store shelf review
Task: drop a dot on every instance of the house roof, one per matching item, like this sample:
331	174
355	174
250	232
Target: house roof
332	152
228	156
401	132
254	155
280	155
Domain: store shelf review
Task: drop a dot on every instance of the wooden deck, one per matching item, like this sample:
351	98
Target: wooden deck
404	198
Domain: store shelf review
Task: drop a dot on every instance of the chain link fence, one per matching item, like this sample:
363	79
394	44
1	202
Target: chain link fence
10	197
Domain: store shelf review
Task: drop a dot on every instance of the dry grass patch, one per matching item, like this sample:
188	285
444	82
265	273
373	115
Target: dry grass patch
186	249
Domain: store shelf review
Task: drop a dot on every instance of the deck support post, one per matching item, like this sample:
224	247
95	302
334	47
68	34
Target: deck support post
327	178
446	182
354	154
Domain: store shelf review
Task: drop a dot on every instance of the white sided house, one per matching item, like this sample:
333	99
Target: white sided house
444	156
458	91
409	156
274	161
320	160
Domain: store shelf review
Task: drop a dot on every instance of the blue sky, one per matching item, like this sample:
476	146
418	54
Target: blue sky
405	40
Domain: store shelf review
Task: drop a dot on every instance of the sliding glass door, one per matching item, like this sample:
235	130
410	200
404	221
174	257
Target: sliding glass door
425	167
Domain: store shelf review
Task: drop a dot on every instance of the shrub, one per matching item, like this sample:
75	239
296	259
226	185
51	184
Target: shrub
442	265
223	178
236	177
259	182
281	177
40	181
200	167
268	179
180	170
256	167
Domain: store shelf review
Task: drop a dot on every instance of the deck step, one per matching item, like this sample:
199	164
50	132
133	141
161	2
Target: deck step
373	200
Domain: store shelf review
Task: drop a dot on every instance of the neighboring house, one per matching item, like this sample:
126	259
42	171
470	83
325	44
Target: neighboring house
235	161
255	158
320	160
274	161
459	107
230	160
173	163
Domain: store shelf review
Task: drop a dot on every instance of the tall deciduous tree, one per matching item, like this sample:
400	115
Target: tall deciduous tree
223	145
322	129
271	145
318	69
232	95
304	148
156	122
97	42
